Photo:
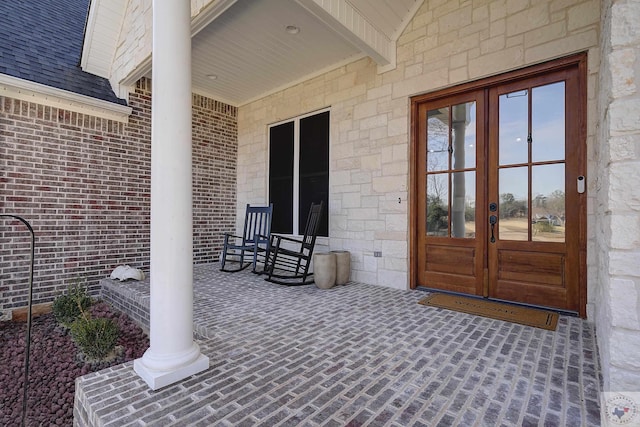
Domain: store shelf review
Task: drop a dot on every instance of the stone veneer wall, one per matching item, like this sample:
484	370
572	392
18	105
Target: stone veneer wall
134	45
617	219
446	43
84	185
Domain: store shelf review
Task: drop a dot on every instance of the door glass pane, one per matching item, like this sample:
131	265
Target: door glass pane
463	135
548	203
438	204
513	128
514	197
438	139
547	122
463	204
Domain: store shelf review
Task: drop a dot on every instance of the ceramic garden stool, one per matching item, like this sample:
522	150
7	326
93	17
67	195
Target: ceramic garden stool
343	266
324	270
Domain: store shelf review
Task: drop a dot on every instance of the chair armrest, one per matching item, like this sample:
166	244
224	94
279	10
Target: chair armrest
288	239
228	236
276	241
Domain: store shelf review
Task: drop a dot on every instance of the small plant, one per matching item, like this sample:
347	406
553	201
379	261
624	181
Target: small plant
96	337
68	307
543	227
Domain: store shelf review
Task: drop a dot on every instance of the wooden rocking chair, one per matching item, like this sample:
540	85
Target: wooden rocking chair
254	241
288	259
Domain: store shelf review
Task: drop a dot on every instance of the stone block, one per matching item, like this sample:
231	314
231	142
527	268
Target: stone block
527	19
623	379
398	127
456	19
625	311
372	122
583	14
392	279
458	75
625	231
365	109
625	147
545	34
571	43
624	194
395	264
379	92
363	213
393	248
624	349
496	61
624	115
388	184
396	222
624	263
625	30
497	10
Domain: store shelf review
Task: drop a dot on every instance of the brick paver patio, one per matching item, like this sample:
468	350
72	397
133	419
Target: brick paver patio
353	355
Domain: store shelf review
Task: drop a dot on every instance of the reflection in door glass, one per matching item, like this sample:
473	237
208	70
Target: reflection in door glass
463	135
547	122
463	204
438	139
514	201
513	128
548	203
438	204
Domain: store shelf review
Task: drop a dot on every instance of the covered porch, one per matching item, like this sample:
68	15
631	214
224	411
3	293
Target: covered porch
356	354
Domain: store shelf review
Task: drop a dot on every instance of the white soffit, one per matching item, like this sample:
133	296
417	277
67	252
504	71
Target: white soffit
344	19
247	52
242	52
102	32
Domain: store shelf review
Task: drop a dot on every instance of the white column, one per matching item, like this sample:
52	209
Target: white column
172	355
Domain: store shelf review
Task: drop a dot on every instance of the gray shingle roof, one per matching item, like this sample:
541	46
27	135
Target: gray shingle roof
41	41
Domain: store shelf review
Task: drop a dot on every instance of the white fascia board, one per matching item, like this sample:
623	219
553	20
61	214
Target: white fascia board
37	93
349	23
102	31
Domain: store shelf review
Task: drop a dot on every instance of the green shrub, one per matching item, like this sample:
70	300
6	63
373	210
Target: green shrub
543	227
96	337
68	307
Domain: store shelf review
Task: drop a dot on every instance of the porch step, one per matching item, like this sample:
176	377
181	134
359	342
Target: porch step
130	297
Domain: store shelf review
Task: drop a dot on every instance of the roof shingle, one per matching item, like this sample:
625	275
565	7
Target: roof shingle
41	41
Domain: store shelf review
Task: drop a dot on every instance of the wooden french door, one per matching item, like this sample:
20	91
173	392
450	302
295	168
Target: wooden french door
498	174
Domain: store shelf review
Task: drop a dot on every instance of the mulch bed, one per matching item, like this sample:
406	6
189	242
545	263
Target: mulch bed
54	365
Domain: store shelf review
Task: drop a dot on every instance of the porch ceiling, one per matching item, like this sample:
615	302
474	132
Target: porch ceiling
251	54
242	50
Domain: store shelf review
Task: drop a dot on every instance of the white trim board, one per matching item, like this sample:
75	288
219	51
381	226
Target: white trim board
37	93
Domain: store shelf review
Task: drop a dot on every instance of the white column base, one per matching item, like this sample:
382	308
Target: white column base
158	379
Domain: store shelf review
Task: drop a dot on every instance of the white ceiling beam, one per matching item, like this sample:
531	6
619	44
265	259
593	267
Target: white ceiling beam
347	21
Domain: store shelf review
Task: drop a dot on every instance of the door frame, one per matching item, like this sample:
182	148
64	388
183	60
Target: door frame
577	60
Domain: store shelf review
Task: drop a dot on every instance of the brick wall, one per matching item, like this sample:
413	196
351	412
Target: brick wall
215	151
84	185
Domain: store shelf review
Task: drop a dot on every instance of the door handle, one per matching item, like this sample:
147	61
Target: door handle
493	220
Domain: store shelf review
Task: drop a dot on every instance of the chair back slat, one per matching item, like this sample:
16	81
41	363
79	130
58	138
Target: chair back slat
313	224
257	221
